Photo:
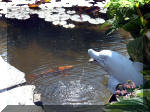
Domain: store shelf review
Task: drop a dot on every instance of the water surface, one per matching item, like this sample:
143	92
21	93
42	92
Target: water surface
35	46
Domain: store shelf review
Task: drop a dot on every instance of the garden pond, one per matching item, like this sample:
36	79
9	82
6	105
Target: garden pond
37	48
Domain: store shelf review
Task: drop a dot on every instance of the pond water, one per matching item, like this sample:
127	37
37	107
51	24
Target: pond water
35	46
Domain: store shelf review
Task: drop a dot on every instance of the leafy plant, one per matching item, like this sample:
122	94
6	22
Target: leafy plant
134	99
134	17
130	15
131	105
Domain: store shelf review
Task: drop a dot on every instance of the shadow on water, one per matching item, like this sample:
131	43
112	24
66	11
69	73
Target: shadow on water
35	46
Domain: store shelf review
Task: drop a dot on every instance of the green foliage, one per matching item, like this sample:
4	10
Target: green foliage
146	74
128	14
140	103
135	49
134	17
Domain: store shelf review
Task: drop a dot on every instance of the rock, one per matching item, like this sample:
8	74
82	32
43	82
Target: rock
37	97
23	108
18	96
10	76
11	91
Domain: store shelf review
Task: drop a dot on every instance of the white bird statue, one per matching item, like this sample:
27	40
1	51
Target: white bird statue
120	68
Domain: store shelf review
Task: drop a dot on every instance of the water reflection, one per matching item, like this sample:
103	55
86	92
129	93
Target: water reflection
56	46
34	46
3	39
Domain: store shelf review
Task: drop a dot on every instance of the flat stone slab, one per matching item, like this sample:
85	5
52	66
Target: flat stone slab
10	76
22	95
23	108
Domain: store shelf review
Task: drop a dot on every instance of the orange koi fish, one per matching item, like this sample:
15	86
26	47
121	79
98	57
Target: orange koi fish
62	68
32	77
33	5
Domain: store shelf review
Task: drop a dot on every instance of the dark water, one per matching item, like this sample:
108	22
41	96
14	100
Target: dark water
35	46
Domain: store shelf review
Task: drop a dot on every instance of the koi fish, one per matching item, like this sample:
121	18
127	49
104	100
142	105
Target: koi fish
62	68
33	77
33	5
41	1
